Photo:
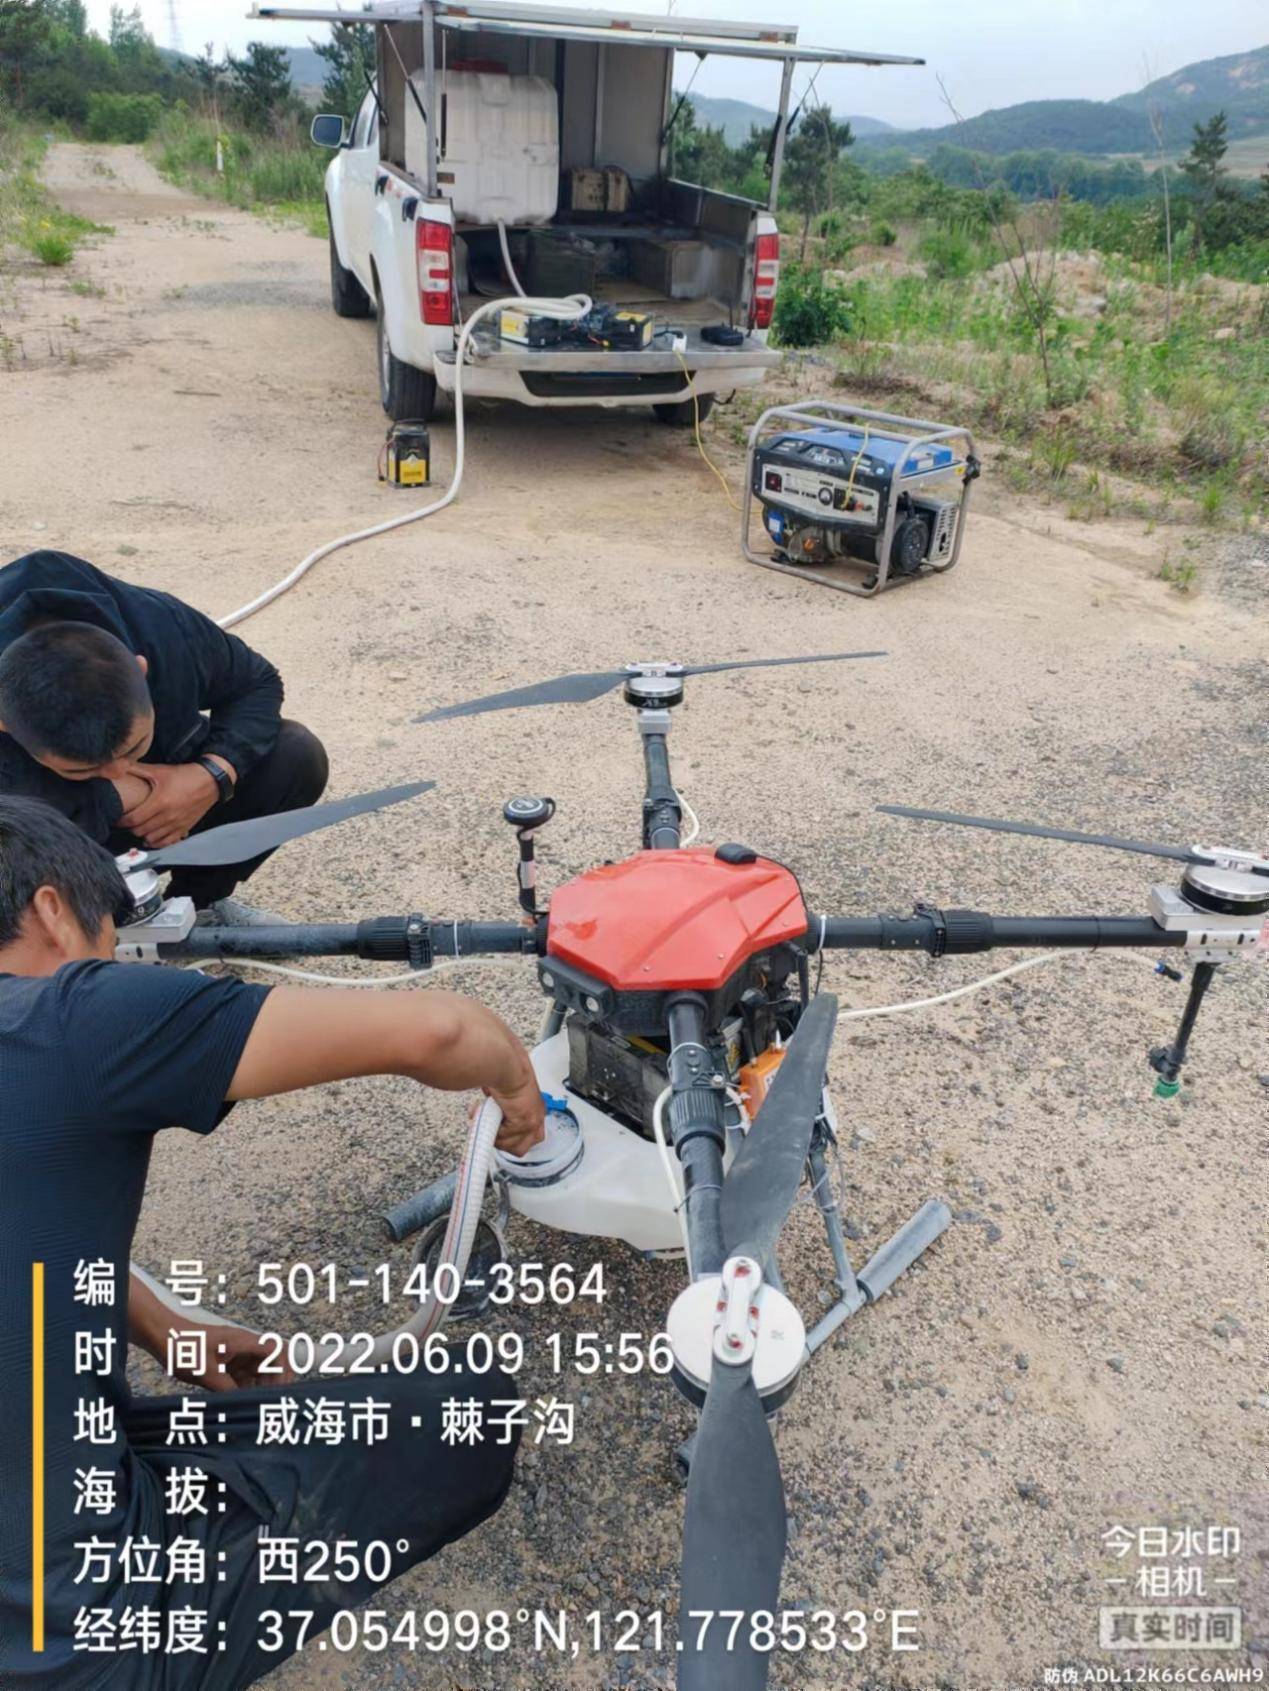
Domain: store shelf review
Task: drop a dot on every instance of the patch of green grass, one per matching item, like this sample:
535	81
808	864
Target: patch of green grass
283	176
50	246
1182	408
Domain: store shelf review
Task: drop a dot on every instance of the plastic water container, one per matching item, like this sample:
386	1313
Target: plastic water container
500	139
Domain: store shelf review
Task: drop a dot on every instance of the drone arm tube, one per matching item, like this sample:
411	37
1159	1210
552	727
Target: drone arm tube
945	933
662	813
698	1131
379	939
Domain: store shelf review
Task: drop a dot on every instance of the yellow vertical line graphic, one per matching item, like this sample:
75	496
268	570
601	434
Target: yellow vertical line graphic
37	1457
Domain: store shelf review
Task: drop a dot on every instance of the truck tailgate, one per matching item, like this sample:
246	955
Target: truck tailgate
752	354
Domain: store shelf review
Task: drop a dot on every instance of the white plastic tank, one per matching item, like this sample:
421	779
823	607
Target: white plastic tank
500	145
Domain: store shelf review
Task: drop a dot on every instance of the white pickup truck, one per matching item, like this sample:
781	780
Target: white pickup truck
512	145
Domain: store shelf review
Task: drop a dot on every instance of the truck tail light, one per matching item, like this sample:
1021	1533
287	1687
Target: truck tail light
766	276
434	243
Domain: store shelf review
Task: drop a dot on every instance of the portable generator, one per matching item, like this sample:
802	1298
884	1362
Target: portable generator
860	487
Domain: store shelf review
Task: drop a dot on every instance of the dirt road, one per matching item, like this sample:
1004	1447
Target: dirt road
1087	1345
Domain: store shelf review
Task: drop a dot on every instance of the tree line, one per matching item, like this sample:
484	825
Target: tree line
53	66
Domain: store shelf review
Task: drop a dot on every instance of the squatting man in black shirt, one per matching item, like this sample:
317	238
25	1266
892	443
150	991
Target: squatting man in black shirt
141	720
96	1057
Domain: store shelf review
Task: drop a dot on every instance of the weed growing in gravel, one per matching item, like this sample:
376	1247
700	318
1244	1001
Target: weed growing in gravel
50	245
1182	576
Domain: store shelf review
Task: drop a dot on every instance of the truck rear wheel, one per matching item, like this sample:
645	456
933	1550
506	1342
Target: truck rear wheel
406	394
347	296
681	414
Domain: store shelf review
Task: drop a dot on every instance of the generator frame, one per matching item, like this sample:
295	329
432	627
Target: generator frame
916	432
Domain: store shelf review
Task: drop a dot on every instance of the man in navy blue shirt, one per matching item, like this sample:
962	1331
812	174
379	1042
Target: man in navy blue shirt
96	1057
134	715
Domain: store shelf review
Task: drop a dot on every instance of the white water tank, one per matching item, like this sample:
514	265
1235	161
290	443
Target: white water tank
500	145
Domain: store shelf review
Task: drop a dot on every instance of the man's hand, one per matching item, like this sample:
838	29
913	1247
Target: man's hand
523	1115
133	791
151	1324
180	796
239	1365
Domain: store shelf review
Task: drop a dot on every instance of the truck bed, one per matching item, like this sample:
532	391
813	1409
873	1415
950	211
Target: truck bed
622	292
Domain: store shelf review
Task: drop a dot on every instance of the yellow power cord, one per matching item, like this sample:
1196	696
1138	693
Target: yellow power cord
700	444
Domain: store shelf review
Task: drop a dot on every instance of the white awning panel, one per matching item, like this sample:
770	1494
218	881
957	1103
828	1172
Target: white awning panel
680	35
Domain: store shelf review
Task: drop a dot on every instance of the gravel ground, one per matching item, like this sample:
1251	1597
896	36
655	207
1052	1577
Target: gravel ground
1086	1346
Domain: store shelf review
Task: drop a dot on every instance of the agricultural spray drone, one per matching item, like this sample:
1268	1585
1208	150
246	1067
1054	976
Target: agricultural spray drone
689	1053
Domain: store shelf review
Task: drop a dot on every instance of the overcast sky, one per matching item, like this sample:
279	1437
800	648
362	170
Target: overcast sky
989	52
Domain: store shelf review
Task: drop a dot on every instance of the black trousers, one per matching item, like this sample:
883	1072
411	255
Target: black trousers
412	1491
290	777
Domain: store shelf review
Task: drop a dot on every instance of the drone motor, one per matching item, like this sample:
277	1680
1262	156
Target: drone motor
1225	892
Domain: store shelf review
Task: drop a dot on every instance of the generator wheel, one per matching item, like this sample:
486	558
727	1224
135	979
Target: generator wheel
910	545
681	413
347	296
406	394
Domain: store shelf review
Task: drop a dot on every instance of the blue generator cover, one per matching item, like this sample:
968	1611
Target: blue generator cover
831	449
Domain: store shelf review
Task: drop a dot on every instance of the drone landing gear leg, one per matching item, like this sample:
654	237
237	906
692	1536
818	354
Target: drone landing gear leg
883	1268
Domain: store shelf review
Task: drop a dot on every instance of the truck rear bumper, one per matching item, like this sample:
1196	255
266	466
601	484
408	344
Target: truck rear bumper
567	376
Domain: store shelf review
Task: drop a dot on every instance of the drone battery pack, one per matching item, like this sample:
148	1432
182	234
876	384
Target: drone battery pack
614	330
626	331
524	329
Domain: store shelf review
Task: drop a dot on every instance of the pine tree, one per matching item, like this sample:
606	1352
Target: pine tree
350	66
811	163
1204	167
261	83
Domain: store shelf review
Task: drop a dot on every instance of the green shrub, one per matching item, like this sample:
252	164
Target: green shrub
51	246
122	117
949	252
808	311
883	234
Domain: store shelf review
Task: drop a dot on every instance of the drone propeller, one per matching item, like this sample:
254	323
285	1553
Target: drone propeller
579	689
1180	854
735	1524
237	841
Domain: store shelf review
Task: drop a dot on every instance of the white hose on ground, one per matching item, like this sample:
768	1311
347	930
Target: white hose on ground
460	1234
563	310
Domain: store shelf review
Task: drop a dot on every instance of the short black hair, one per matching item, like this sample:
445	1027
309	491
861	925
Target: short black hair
39	847
72	689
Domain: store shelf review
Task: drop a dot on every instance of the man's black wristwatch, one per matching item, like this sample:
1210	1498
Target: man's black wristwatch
222	778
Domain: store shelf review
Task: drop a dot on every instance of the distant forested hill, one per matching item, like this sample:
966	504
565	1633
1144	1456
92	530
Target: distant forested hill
1237	84
737	117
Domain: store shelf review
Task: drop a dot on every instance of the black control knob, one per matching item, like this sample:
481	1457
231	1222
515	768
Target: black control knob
527	811
525	814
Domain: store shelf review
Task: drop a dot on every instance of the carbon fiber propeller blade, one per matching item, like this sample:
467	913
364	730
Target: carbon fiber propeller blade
581	688
563	690
775	663
734	1531
766	1172
1178	853
237	841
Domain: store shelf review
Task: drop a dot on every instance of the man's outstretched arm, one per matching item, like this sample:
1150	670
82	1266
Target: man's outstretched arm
306	1037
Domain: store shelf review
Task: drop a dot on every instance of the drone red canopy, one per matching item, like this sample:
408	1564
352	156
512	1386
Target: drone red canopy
673	920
